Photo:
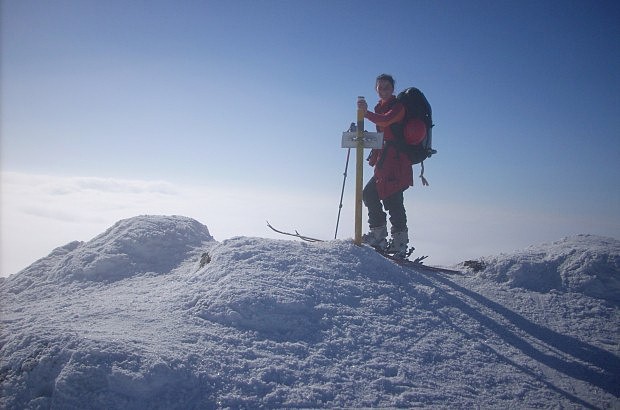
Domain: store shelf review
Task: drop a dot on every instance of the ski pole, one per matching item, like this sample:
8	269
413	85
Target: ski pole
346	167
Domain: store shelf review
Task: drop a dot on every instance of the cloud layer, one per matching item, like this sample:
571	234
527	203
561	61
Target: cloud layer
42	212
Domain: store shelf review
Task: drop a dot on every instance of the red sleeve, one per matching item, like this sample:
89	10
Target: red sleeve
394	115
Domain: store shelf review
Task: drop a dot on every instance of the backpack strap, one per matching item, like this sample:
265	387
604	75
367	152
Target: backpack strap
398	132
424	180
399	143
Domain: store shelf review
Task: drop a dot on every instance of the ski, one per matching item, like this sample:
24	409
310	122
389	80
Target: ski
417	263
296	234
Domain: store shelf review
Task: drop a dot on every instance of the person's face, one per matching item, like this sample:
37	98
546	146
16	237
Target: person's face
384	89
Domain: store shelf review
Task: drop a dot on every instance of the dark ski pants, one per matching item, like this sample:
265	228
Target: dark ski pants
393	204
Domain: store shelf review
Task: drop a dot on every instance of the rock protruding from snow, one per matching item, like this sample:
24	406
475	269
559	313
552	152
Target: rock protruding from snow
586	264
142	244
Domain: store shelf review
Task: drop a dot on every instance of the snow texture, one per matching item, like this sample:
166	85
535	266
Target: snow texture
154	313
583	264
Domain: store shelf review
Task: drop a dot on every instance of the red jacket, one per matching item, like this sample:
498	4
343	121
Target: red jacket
393	173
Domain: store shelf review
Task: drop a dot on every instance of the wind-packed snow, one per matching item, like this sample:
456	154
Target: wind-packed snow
583	264
154	313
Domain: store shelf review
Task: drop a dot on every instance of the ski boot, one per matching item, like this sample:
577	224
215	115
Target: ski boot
398	245
377	238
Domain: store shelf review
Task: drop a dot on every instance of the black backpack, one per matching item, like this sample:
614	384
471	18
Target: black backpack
416	106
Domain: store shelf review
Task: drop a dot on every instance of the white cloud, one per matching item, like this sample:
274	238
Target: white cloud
40	213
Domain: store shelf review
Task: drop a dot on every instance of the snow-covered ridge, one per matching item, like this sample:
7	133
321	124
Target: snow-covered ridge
154	313
143	244
585	264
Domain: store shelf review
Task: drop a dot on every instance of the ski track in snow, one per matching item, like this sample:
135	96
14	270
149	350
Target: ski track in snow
132	320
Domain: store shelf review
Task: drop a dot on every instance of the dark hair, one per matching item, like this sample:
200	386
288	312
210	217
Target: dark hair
385	77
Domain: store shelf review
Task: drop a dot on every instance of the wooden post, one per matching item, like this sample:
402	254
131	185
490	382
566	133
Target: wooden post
359	174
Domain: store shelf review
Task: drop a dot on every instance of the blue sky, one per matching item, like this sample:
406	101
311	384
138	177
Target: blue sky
210	98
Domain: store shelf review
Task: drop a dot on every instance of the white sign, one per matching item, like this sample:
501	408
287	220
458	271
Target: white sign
371	139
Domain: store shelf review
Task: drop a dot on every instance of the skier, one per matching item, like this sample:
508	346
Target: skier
393	174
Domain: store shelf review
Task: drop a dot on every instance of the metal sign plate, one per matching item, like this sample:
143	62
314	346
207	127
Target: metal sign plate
371	140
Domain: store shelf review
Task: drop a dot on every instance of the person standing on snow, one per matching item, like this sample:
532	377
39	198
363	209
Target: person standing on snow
393	174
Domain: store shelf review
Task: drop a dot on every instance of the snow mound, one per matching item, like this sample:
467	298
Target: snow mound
262	323
279	289
142	244
586	264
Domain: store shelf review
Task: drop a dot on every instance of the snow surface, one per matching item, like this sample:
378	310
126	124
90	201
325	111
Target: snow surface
154	313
